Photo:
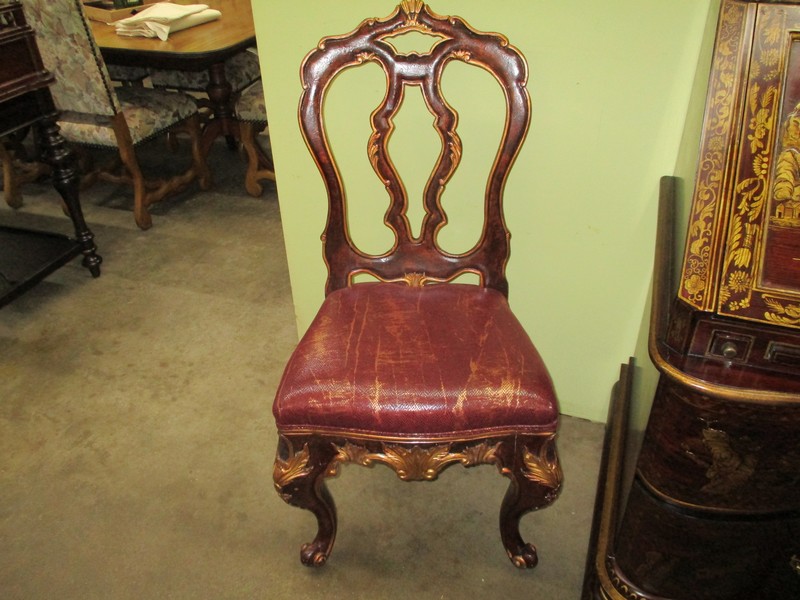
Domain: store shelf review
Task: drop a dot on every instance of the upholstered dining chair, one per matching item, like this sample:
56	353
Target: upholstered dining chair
412	370
251	112
95	113
128	75
241	70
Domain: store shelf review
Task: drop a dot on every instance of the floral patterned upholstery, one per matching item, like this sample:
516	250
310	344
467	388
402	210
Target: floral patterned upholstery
250	106
147	113
82	82
123	73
240	70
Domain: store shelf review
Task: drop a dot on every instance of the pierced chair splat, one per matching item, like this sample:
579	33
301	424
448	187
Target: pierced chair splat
415	371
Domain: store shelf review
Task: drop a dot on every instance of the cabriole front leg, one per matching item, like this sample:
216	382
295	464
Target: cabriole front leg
532	466
299	477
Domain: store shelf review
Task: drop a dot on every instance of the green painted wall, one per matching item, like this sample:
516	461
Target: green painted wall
646	375
611	84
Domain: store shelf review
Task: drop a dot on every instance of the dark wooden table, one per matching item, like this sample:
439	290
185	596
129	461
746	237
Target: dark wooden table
204	47
26	256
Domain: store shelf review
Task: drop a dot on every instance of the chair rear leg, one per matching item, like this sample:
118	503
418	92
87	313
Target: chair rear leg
535	482
140	212
199	162
299	477
259	165
10	183
127	154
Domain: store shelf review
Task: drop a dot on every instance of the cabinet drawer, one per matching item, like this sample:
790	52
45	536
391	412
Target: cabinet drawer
771	349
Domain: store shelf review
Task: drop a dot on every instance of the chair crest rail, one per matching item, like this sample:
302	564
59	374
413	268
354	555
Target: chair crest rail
456	41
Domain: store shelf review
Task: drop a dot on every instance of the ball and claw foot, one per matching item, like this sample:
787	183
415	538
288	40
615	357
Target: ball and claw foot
312	556
527	559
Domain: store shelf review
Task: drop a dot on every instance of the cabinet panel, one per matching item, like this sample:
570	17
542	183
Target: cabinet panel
760	279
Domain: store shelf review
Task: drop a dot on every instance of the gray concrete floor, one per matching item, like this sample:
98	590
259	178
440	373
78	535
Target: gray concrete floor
136	438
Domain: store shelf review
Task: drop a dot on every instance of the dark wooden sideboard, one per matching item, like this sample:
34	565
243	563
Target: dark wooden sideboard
713	510
27	256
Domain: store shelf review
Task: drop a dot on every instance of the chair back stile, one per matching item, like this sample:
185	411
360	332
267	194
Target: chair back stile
417	259
69	51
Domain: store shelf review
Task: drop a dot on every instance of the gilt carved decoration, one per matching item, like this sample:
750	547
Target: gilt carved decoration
415	463
423	462
372	43
285	470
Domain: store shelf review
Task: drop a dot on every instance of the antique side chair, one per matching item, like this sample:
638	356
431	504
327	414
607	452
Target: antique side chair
413	370
96	113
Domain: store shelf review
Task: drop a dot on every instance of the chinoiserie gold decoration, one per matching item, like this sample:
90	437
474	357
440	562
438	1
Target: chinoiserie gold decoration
414	463
698	268
783	314
722	267
760	203
745	236
786	188
729	470
284	471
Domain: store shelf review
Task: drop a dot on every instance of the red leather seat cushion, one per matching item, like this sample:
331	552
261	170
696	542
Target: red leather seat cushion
392	359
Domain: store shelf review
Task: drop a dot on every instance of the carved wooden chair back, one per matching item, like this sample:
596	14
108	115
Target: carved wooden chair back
415	371
418	258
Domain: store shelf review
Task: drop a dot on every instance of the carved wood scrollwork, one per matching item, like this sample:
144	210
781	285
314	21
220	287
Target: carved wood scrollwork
414	463
371	42
542	467
295	465
422	463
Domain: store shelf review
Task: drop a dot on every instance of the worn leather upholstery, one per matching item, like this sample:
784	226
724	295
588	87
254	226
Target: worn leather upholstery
392	359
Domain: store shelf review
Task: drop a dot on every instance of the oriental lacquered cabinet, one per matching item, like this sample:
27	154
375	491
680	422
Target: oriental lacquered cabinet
713	511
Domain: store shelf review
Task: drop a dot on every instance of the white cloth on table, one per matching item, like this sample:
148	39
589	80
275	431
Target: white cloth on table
163	18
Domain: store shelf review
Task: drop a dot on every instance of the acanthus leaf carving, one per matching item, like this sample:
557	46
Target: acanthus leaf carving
542	466
284	471
414	463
